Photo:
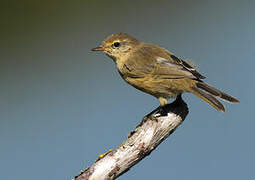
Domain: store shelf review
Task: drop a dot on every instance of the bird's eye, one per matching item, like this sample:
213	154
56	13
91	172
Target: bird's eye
116	44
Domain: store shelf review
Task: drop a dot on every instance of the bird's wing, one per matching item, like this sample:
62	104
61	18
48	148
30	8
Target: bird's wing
156	61
186	66
175	68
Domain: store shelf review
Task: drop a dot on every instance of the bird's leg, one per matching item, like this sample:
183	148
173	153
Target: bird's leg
162	110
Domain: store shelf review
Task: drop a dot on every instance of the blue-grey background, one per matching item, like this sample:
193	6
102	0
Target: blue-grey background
62	105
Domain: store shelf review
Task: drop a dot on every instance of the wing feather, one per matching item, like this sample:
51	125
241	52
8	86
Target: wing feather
156	61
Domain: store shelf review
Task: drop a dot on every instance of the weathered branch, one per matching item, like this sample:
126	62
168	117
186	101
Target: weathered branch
140	143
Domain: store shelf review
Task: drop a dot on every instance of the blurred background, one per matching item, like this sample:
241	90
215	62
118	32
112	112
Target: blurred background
62	105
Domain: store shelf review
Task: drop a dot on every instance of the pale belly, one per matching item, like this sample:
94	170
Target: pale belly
166	88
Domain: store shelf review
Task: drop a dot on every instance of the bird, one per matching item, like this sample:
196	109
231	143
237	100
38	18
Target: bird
155	70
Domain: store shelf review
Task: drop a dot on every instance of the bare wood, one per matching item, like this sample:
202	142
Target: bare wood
140	143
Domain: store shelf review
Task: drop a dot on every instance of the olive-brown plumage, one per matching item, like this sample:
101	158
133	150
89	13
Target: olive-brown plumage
154	70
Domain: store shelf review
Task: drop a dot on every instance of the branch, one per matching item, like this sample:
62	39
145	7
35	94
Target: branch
140	143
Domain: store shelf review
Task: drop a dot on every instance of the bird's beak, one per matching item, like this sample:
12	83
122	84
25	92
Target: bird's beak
100	48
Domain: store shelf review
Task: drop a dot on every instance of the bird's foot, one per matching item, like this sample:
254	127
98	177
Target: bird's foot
164	110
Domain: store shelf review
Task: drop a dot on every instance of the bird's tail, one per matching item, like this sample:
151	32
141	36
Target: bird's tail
210	95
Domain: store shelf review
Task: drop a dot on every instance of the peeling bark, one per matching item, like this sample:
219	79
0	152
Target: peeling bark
140	143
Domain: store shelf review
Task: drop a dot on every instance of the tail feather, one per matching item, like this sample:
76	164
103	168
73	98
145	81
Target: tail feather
210	95
216	92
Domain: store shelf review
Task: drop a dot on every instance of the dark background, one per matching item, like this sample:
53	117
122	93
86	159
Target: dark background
62	105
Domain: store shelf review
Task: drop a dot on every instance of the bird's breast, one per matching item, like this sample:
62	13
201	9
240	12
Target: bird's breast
123	67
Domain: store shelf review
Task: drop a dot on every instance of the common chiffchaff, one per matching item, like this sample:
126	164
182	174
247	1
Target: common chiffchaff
154	70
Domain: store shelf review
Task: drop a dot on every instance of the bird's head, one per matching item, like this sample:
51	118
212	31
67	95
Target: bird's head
117	45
